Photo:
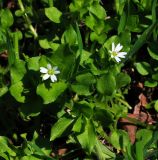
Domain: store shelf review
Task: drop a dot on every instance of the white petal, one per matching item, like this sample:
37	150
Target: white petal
117	59
49	66
43	70
56	72
113	47
55	68
53	78
122	54
46	76
118	48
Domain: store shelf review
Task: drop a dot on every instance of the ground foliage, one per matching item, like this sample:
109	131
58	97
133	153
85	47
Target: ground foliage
98	108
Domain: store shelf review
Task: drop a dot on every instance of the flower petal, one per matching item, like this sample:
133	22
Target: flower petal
46	76
122	54
53	78
56	72
113	47
43	70
55	68
118	48
117	59
49	66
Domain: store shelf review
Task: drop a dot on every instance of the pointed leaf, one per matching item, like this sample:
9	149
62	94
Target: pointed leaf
59	127
88	137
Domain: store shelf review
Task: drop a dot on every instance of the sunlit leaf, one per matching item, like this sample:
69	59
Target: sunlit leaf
53	14
50	93
59	127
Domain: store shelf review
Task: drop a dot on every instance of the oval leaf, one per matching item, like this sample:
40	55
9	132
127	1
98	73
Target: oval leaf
53	14
143	68
106	84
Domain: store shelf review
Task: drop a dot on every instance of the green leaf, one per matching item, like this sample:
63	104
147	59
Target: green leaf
78	125
156	105
17	71
86	79
81	89
108	43
143	68
64	59
97	10
103	152
79	39
153	50
120	6
122	80
53	14
90	21
59	127
33	63
150	83
11	56
69	36
4	146
6	18
46	44
19	13
5	156
122	23
3	90
155	76
29	157
50	94
31	109
120	139
143	136
104	117
88	138
106	84
16	91
132	23
84	56
100	38
141	40
84	108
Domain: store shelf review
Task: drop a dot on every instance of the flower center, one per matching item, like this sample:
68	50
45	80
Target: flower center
114	54
51	72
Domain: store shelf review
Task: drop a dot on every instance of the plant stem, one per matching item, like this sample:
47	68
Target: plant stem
16	45
50	3
124	102
28	20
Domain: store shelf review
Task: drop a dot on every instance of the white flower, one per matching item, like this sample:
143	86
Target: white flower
49	72
115	52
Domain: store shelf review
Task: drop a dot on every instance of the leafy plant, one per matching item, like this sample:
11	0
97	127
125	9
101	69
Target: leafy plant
64	77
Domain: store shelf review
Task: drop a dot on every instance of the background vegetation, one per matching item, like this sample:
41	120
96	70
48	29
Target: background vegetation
98	108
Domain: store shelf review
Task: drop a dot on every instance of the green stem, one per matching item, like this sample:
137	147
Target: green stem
16	45
50	3
28	20
154	18
124	102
